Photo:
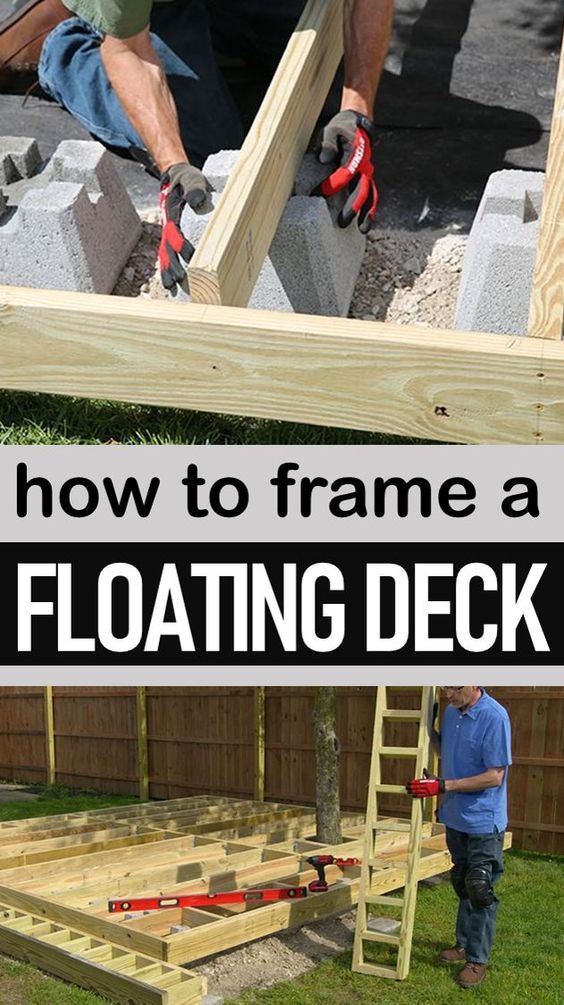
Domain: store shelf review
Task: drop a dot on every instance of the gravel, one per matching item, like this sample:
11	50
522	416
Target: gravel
277	958
407	277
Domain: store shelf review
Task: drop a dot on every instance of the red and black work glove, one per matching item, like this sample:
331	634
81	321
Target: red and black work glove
347	140
421	788
182	184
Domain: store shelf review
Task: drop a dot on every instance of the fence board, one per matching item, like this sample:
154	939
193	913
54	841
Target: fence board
203	740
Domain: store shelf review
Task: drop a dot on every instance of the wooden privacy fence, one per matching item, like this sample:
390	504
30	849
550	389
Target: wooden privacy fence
165	742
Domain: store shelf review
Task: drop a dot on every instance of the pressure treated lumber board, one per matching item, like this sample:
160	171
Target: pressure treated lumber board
464	387
141	816
68	847
94	964
150	935
136	812
234	245
546	318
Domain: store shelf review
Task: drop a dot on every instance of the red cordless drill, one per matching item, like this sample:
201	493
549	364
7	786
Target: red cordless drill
319	862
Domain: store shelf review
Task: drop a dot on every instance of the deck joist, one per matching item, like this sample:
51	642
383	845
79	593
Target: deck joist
54	904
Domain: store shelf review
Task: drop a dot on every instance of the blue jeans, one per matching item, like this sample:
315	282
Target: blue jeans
475	926
184	34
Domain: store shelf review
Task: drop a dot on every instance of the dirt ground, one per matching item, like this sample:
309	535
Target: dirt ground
278	958
282	957
407	277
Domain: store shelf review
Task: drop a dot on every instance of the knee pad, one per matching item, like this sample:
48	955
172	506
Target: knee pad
457	877
479	889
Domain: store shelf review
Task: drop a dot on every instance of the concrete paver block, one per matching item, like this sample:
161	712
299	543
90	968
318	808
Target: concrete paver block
312	265
19	158
386	925
74	229
495	288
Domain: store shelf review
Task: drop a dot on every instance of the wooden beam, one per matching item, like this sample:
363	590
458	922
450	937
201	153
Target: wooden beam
235	243
142	744
51	770
259	741
546	318
439	385
242	928
99	966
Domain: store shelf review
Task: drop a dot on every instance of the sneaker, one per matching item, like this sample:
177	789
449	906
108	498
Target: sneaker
471	975
456	955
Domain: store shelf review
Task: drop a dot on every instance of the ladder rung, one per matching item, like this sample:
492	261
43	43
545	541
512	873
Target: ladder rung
398	751
391	940
402	828
403	714
376	863
376	971
383	898
390	788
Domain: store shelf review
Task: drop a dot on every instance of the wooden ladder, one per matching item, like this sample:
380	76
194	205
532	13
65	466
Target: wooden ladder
406	903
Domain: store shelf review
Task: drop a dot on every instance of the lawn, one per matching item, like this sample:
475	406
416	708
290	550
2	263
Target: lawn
58	799
29	419
527	967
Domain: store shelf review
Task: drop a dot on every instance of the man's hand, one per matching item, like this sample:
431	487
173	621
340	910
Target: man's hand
182	184
421	788
347	140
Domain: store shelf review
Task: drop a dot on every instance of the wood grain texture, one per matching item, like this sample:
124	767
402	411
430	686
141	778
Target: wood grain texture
142	743
415	382
259	741
235	243
546	318
49	736
102	967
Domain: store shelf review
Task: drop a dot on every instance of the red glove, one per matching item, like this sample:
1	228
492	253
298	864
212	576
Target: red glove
348	139
421	788
181	184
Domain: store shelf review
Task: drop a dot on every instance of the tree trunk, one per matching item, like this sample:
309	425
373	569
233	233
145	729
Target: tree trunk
327	756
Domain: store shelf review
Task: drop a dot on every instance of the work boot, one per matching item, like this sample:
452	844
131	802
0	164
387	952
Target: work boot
22	35
471	975
456	955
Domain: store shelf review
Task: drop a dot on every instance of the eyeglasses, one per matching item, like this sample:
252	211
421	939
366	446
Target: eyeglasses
461	688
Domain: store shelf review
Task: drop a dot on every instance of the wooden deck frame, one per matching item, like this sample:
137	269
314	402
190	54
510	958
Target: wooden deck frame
47	906
405	380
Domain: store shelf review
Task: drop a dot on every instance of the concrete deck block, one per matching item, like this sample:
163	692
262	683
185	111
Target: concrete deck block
495	288
312	265
19	158
219	166
73	231
386	925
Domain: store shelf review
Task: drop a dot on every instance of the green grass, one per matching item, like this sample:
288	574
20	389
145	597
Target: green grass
29	419
526	968
55	799
21	984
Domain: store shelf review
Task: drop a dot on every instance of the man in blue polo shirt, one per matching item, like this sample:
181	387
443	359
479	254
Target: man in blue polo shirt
475	748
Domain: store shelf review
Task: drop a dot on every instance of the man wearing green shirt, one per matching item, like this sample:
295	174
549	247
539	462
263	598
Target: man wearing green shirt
142	77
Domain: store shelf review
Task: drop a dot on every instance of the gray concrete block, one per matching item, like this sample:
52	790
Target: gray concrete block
312	265
386	925
19	158
75	229
218	167
495	288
